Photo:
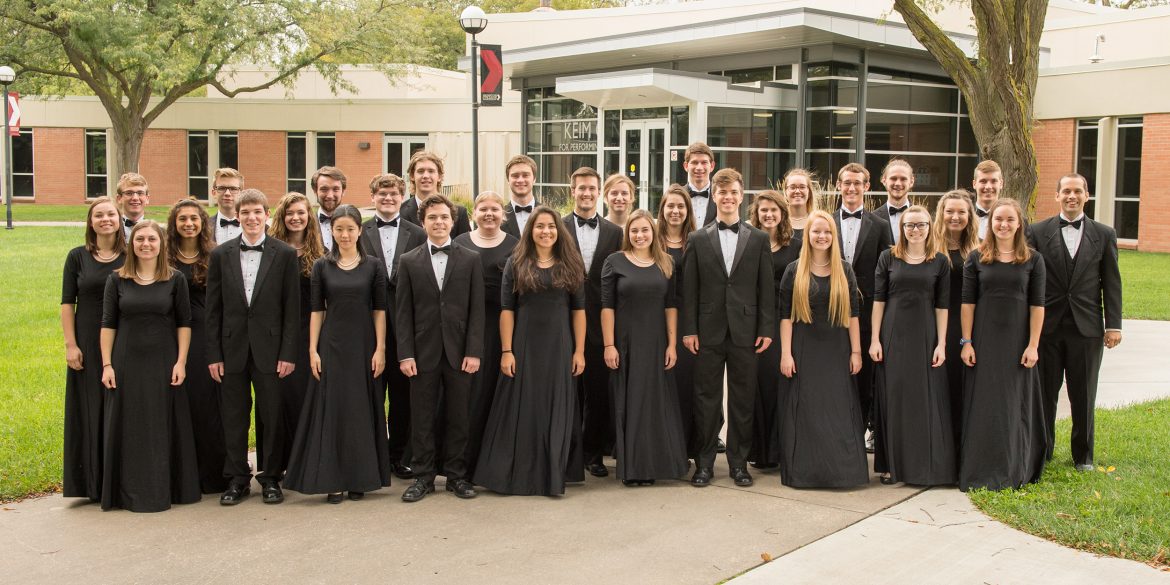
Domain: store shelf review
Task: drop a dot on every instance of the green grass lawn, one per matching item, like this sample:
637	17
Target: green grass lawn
32	212
1145	282
1121	509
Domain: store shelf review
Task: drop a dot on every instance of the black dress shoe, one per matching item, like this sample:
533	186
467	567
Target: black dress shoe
334	498
403	472
631	482
462	488
234	494
272	493
765	465
888	480
356	495
646	481
720	446
417	490
702	477
741	477
597	469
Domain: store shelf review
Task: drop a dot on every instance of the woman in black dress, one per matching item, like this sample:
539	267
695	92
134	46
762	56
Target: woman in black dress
800	189
639	319
676	220
294	224
956	234
190	238
149	459
1004	432
83	286
341	443
526	441
912	412
494	247
821	442
769	212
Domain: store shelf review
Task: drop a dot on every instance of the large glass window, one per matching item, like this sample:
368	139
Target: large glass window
96	169
22	163
326	149
296	155
1087	143
197	167
759	143
229	149
562	135
832	94
1127	195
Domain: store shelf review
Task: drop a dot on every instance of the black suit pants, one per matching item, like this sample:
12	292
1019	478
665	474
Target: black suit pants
448	389
740	364
1071	359
236	401
597	417
394	390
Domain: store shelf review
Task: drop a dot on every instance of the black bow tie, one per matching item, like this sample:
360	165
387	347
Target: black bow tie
323	218
980	212
854	215
896	210
226	222
129	222
246	248
382	223
1076	225
734	227
704	193
437	249
592	222
520	208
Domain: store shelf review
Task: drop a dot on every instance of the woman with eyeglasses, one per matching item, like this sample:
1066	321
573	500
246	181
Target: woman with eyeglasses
913	439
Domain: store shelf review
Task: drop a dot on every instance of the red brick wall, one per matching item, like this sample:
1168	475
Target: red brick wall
59	164
163	161
1154	218
262	162
1055	143
359	165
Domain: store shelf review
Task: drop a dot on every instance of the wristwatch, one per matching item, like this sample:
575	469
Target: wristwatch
964	341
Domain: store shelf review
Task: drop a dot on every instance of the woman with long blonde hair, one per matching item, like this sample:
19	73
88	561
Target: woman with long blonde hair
956	234
821	430
1004	433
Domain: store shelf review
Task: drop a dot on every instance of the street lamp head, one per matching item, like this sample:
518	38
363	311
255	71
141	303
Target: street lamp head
7	75
473	20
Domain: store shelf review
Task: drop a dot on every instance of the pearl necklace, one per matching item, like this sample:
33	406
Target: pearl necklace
821	265
670	241
639	262
479	234
100	258
915	258
345	266
544	262
186	257
144	280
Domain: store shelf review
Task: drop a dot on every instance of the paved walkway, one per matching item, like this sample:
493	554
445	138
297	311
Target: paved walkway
599	532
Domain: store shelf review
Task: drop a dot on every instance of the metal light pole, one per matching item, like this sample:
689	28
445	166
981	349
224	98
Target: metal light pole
7	76
473	20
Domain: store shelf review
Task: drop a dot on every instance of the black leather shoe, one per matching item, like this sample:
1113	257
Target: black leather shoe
462	488
334	498
888	480
234	494
631	482
356	495
764	465
597	469
702	477
272	493
403	472
417	490
720	446
741	477
1084	467
646	481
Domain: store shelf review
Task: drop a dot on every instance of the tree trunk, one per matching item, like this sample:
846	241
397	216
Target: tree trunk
128	131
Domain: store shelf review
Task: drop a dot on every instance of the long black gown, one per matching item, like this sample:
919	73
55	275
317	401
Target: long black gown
954	365
149	460
765	435
483	384
341	443
684	370
83	284
529	431
1004	430
912	410
203	393
293	386
648	431
821	434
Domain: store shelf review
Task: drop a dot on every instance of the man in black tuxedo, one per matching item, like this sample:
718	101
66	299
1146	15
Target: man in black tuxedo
225	188
988	184
699	161
388	237
521	173
133	195
729	314
425	173
1083	284
596	239
898	179
440	313
253	304
863	237
329	184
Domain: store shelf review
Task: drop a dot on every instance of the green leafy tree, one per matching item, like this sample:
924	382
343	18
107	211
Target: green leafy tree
140	56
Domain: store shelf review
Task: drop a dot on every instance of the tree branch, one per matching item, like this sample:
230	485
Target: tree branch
945	51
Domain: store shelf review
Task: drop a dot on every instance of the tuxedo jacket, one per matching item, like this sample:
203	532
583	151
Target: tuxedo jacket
510	226
883	212
1088	286
409	212
269	327
873	238
410	236
609	240
431	322
717	305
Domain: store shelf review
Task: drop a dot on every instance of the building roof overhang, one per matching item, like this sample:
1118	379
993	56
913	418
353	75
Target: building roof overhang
650	87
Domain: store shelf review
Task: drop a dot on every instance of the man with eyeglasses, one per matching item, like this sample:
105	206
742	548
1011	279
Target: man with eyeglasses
329	185
133	197
225	188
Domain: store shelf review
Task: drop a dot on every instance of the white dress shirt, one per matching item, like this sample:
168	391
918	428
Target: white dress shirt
983	221
699	204
126	228
439	261
389	236
326	230
1072	235
250	266
850	230
727	241
522	216
587	239
896	220
226	232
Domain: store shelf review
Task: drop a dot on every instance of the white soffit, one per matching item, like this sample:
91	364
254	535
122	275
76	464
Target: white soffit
662	87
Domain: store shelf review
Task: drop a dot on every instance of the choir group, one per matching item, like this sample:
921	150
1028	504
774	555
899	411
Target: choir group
515	349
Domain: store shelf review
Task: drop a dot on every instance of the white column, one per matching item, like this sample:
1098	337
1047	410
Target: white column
1106	169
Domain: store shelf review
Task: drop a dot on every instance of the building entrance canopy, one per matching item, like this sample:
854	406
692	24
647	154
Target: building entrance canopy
638	88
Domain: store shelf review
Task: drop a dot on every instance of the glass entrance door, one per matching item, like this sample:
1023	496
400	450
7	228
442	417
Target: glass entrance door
644	153
396	151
